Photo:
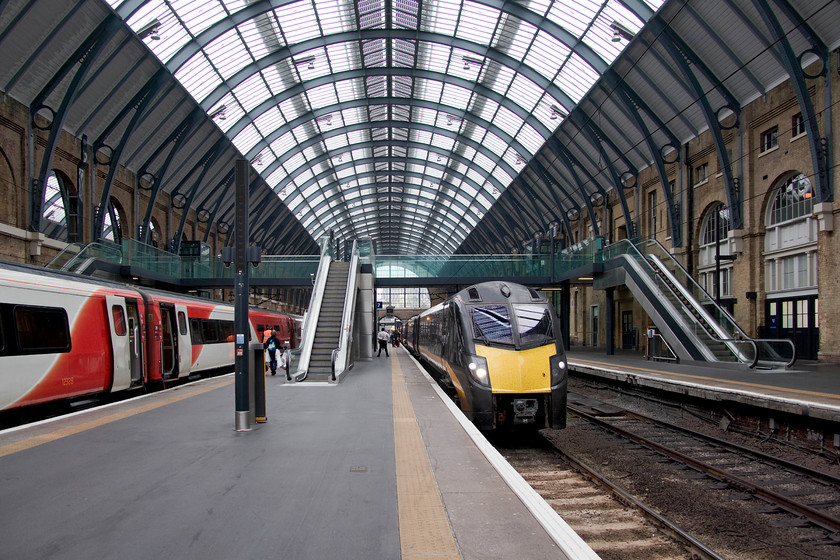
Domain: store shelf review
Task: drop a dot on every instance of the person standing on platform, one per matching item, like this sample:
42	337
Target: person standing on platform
383	337
271	345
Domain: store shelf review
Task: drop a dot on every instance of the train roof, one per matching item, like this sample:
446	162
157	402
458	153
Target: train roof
497	291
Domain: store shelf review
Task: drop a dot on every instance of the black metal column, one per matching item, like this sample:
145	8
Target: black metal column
610	321
565	313
240	302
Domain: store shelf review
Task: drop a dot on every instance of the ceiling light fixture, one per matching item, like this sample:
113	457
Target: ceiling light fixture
220	112
309	61
469	60
621	32
150	30
558	112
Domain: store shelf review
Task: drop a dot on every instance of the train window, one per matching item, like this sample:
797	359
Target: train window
260	327
195	331
182	322
118	314
41	329
209	331
2	338
226	331
491	323
534	324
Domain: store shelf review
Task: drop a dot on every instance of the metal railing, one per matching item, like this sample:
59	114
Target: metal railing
658	349
81	258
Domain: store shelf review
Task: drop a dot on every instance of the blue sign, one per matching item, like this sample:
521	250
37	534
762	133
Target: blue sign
379	305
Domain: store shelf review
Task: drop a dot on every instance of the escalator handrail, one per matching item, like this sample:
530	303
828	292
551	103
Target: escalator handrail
311	321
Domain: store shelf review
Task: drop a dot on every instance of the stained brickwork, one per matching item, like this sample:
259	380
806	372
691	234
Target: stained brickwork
83	176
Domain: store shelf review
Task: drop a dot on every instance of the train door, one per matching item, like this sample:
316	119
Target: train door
120	345
183	342
134	342
168	361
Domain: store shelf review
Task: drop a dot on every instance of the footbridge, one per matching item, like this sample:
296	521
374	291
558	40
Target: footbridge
197	269
690	324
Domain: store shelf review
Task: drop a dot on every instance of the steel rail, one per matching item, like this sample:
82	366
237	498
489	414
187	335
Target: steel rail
801	469
698	549
815	516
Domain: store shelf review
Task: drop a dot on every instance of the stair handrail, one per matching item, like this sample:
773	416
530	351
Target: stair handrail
85	254
303	355
342	356
70	252
764	347
649	354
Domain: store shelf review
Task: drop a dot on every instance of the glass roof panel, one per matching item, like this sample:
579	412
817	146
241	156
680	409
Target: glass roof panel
198	15
198	76
337	119
477	22
252	92
228	53
298	21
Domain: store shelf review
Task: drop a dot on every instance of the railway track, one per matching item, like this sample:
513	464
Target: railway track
740	502
807	494
616	525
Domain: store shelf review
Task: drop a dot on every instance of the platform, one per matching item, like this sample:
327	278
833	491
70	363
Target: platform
379	466
807	388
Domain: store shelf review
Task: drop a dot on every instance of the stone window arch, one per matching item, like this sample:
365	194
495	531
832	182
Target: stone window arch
713	240
790	238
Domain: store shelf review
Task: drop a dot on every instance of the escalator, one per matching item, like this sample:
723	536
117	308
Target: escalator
326	350
691	322
328	331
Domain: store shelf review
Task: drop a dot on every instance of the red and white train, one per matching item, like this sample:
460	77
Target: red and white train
64	337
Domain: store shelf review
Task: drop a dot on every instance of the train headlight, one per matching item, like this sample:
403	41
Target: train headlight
558	370
477	366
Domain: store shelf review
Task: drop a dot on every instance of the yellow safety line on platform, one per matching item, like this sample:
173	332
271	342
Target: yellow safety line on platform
425	532
34	441
715	379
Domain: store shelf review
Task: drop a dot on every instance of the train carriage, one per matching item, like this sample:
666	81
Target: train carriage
63	336
497	346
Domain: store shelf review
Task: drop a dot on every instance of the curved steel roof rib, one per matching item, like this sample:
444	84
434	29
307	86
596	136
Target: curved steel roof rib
430	126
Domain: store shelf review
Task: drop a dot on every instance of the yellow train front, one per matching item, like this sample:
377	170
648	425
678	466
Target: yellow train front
496	346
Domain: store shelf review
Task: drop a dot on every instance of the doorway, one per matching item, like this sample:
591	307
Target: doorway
628	333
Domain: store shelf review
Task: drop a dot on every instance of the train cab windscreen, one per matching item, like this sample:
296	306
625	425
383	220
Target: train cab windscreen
534	325
491	324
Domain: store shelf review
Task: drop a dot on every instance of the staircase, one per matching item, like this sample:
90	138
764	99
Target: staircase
328	330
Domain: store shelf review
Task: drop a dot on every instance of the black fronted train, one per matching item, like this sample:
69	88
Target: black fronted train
496	346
